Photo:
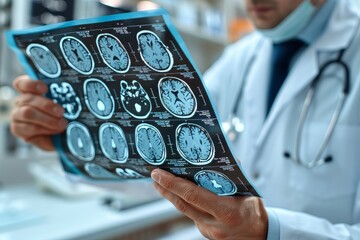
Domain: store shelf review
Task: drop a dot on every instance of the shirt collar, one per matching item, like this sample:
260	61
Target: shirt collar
318	24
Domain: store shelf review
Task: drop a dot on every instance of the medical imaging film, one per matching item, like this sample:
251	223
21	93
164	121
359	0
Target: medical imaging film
134	101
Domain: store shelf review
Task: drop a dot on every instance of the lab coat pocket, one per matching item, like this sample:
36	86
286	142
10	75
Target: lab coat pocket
337	178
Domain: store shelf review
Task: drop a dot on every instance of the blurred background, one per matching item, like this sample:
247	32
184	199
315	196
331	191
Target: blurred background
36	201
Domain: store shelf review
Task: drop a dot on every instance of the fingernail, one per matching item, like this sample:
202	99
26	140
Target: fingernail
59	111
155	176
41	88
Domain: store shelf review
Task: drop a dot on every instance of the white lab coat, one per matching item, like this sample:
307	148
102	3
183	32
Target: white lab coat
320	203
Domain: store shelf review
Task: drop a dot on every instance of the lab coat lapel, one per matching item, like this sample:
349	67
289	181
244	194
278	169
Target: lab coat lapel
255	91
297	80
342	27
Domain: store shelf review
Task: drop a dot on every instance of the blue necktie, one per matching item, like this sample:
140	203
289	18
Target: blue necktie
282	56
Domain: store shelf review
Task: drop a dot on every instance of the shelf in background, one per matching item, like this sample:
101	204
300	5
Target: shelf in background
202	33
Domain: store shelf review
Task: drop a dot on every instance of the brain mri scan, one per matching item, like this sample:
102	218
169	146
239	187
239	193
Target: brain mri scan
98	98
77	55
194	144
98	172
150	144
177	97
44	60
80	142
64	94
128	173
215	182
135	100
113	53
113	143
154	52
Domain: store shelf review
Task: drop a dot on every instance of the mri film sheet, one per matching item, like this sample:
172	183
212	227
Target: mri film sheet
134	101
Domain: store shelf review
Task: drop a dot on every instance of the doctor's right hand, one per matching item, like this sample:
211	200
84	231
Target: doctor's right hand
35	118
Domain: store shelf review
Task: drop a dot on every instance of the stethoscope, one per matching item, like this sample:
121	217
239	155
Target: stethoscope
319	159
234	126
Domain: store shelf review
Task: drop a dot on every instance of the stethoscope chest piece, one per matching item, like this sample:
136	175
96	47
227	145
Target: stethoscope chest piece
233	127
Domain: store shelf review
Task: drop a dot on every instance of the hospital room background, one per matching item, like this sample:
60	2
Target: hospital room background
36	200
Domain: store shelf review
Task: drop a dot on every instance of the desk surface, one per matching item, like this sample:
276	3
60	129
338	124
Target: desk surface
61	218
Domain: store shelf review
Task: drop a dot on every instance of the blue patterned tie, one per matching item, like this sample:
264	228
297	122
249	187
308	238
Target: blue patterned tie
282	56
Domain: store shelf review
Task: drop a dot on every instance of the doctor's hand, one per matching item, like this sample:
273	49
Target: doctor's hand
216	217
35	118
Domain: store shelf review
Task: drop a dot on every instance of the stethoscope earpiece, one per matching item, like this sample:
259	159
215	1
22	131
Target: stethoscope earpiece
287	155
309	165
328	159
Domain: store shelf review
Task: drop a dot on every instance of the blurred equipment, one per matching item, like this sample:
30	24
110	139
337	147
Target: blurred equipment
51	11
121	6
50	177
4	14
7	96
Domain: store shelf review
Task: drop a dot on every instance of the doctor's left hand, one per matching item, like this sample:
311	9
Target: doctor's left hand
217	217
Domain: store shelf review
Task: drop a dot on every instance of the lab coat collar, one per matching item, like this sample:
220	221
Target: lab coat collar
341	29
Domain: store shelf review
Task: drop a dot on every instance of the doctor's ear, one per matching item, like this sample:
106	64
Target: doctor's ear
317	3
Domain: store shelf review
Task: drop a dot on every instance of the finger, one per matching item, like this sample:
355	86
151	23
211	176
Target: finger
42	142
28	131
41	103
188	191
190	211
31	115
24	84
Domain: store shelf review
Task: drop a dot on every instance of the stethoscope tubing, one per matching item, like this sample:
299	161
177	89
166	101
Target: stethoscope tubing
319	160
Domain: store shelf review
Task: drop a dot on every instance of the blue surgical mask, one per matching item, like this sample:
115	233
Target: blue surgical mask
292	25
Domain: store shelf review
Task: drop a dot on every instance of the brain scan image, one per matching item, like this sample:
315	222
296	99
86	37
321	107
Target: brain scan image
77	55
150	144
113	53
177	97
154	52
80	142
194	144
215	182
128	173
98	98
44	60
135	100
64	94
98	172
113	143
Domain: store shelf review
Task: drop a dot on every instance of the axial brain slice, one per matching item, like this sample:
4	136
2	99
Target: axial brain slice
154	52
113	143
215	182
98	98
80	142
128	173
177	97
65	95
113	53
44	60
98	172
135	100
194	144
77	55
150	144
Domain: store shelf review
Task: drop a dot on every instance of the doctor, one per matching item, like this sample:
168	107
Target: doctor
304	160
307	172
